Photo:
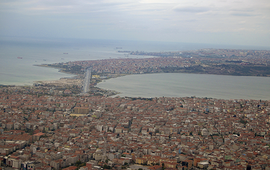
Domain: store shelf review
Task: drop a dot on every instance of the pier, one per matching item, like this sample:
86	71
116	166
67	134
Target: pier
87	79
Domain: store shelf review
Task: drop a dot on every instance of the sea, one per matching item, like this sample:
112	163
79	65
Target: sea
20	57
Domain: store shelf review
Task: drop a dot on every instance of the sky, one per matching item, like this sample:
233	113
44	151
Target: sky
232	22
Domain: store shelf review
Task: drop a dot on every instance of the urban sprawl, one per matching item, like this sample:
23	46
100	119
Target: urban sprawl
52	125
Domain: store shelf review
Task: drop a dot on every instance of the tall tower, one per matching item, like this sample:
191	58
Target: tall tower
104	157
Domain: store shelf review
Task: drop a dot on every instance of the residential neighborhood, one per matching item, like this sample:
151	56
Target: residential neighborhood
52	131
203	61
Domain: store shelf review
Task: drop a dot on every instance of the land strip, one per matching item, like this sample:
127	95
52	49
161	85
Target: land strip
206	61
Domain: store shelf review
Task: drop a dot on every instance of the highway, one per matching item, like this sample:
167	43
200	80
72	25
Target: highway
87	79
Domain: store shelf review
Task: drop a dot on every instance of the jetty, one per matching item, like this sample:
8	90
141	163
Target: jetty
87	79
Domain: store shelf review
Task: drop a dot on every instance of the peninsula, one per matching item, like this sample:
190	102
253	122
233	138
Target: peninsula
204	61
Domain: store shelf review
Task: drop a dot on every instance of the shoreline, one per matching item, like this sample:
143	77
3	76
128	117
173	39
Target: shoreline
69	76
63	81
59	70
115	93
117	75
73	76
77	79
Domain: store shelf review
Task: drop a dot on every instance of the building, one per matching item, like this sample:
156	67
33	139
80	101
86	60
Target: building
81	110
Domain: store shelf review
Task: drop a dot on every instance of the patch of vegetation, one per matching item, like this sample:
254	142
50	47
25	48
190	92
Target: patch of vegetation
243	121
75	69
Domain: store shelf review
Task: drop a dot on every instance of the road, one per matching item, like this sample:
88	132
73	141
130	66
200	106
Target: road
87	79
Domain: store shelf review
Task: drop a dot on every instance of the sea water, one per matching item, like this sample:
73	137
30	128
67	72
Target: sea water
186	85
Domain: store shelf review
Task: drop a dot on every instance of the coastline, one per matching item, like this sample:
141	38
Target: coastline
59	70
106	69
78	79
75	85
38	79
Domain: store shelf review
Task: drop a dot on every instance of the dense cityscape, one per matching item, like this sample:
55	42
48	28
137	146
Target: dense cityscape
52	125
134	85
55	132
204	61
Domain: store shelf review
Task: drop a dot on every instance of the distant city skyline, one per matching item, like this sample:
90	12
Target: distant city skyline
239	22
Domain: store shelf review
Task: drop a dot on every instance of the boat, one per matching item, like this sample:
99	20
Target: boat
19	57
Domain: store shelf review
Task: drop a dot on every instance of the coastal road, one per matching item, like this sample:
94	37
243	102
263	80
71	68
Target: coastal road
87	79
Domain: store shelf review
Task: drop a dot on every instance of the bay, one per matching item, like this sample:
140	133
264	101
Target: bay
187	85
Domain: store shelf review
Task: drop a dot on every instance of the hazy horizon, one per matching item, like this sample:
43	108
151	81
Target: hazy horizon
80	42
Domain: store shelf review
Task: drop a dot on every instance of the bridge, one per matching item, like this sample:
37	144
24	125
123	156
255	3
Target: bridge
87	79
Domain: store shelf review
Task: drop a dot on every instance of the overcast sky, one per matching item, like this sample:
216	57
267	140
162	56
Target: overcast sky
240	22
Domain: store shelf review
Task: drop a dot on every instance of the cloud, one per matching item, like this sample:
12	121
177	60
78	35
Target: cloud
244	12
191	9
159	1
237	14
169	19
191	20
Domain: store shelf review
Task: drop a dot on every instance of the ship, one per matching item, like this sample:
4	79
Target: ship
19	57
